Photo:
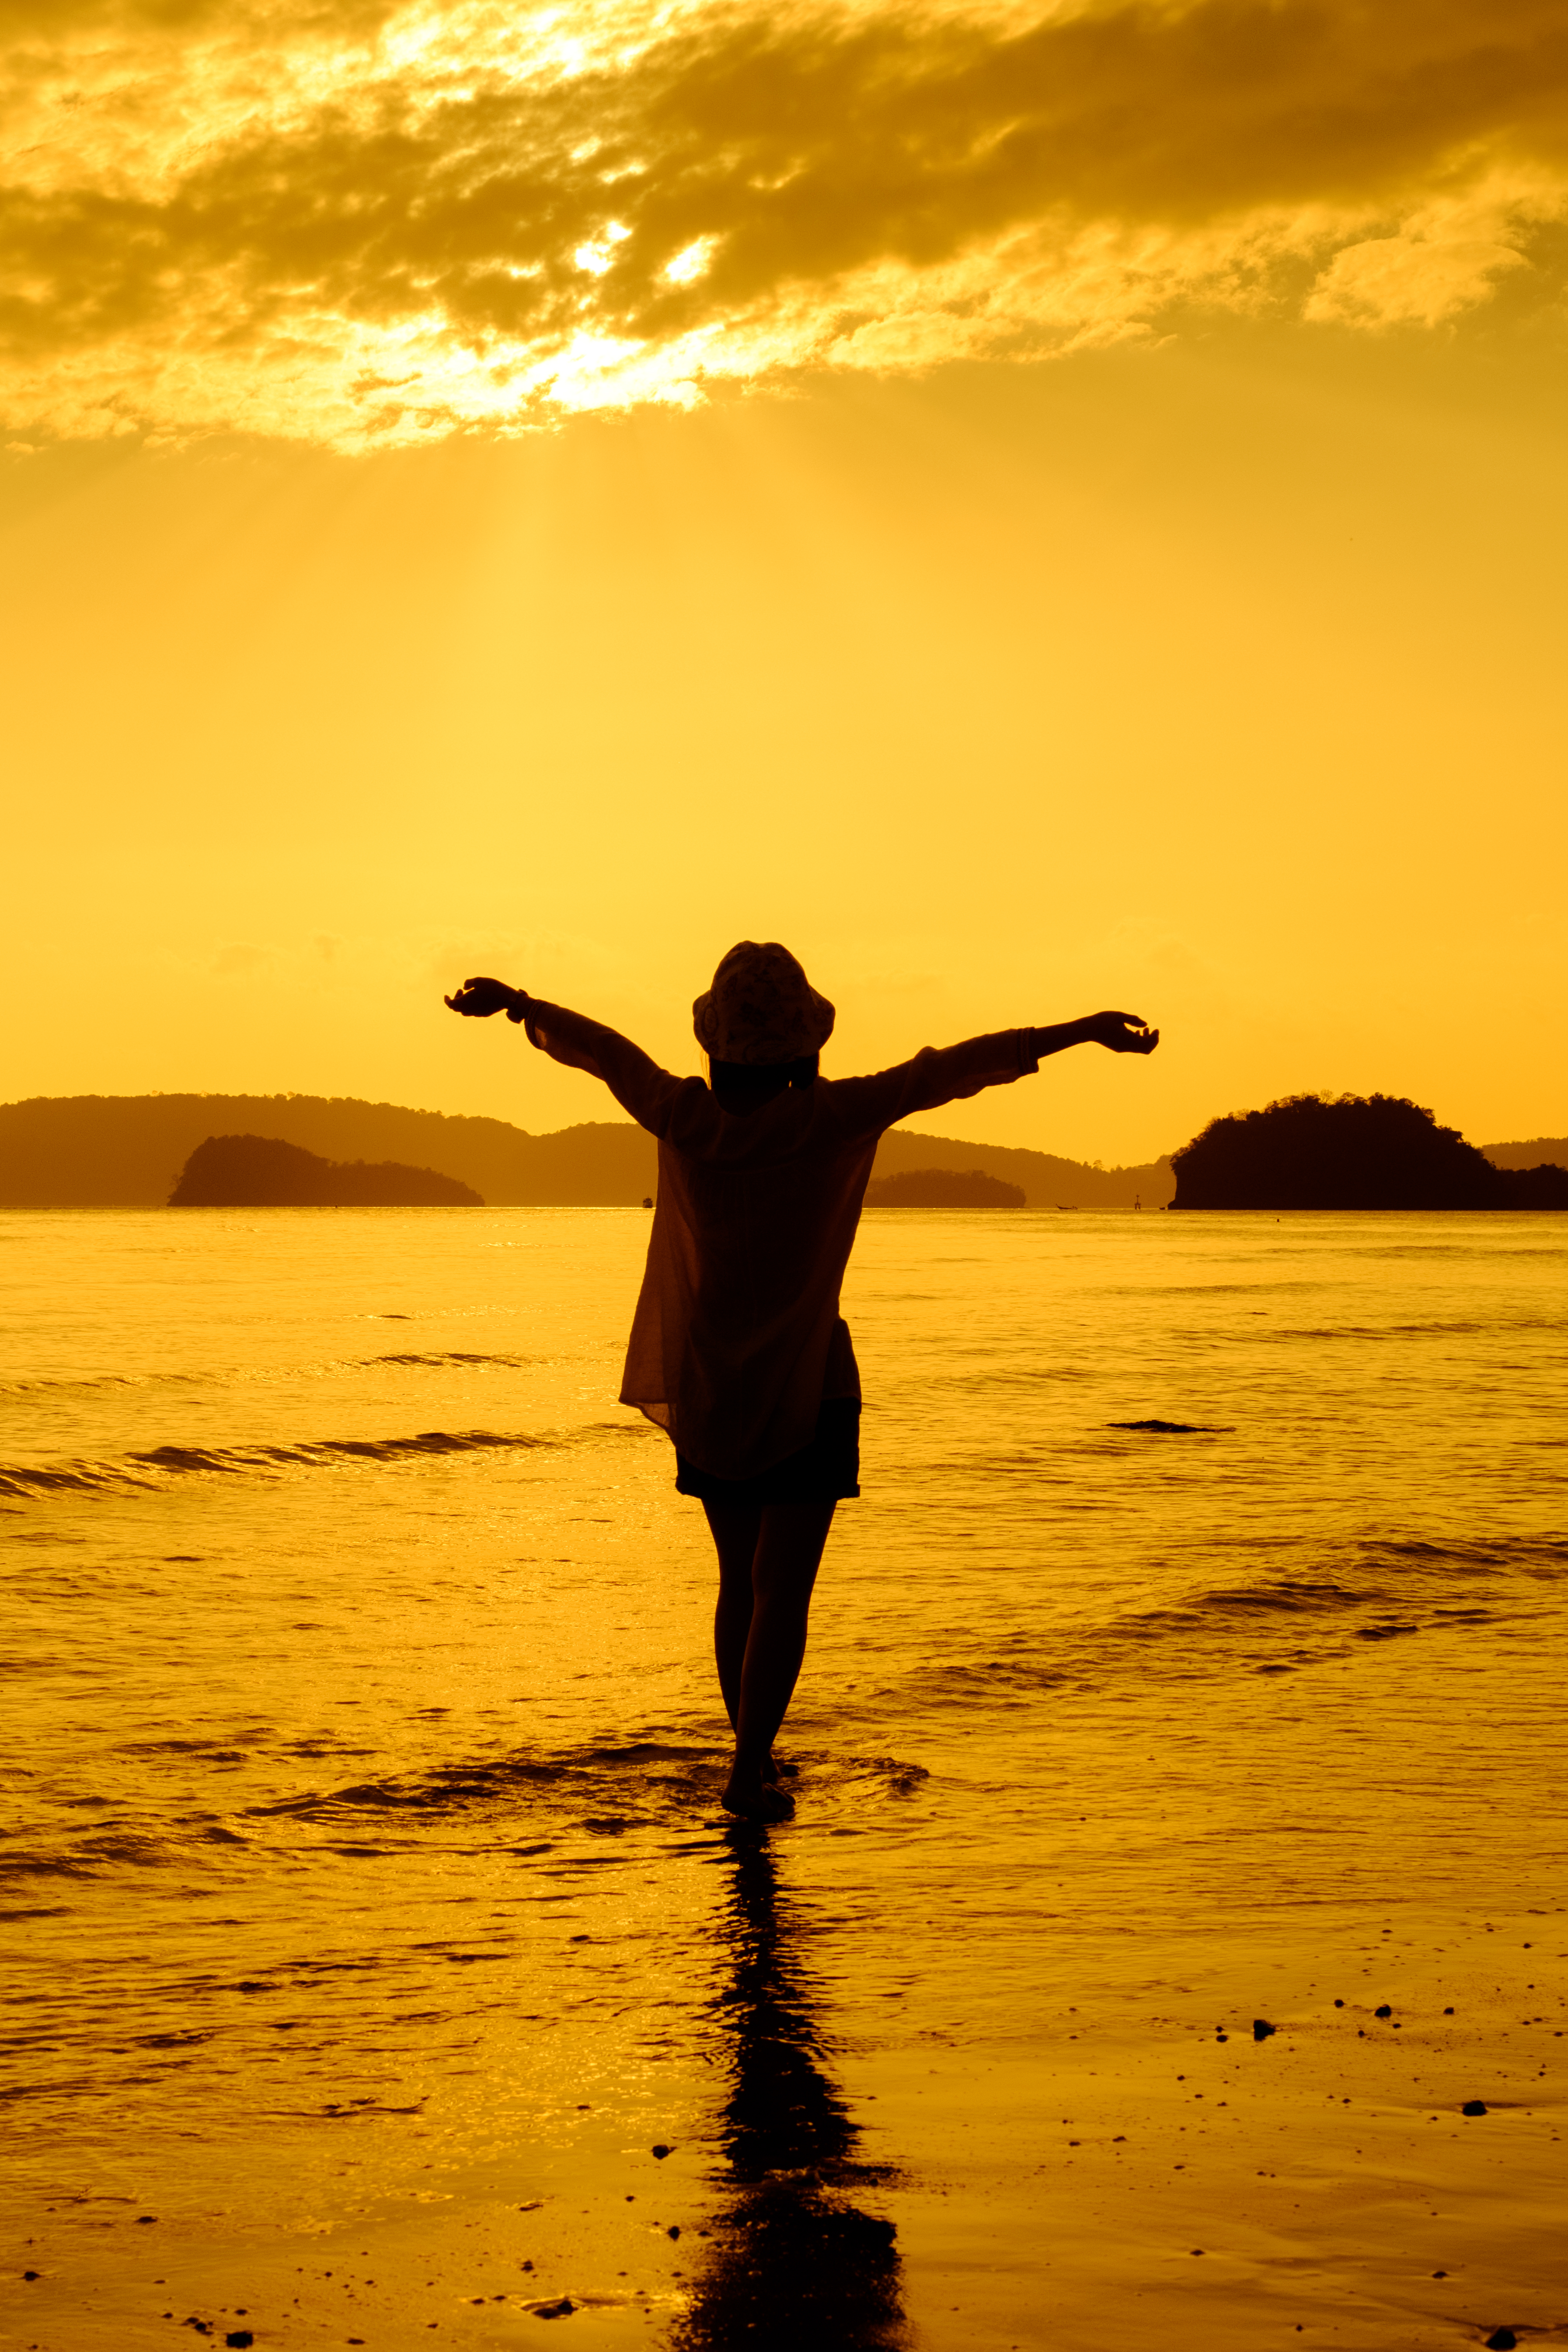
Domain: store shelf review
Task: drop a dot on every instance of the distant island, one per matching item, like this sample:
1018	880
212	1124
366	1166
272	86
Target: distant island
1046	1181
1351	1151
943	1188
125	1151
1548	1150
259	1171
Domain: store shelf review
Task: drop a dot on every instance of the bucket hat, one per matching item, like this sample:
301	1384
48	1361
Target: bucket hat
761	1008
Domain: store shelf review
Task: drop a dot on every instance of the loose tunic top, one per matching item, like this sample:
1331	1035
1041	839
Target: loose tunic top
737	1337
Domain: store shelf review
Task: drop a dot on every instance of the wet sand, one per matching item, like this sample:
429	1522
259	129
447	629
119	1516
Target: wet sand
1150	2172
1186	2189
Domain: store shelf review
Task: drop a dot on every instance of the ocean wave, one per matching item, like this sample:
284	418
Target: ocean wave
1378	1590
87	1858
149	1472
601	1790
1286	1595
638	1768
243	1375
96	1384
567	1812
1379	1581
1498	1327
1532	1555
452	1356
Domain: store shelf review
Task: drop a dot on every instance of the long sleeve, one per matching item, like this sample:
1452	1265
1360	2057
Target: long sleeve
647	1093
934	1075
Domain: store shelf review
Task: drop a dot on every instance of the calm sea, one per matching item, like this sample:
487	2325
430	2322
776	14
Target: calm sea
362	1868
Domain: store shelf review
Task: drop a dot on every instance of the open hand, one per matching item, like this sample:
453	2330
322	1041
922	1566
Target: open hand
1120	1032
479	997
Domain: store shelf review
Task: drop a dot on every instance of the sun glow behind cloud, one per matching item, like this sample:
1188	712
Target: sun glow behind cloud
361	225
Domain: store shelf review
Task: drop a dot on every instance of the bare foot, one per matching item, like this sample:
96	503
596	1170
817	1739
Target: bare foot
755	1799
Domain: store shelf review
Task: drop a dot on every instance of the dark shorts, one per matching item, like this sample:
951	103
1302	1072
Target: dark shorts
828	1470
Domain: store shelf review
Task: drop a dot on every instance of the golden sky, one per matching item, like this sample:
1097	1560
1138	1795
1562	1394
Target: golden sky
1037	509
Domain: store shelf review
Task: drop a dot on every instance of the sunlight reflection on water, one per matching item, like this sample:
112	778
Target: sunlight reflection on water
368	1796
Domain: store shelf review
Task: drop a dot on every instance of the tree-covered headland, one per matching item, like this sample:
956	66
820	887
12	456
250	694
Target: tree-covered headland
259	1171
943	1188
1351	1151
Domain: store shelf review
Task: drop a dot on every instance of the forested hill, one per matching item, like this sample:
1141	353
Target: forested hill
1539	1149
255	1172
127	1151
1352	1151
1048	1182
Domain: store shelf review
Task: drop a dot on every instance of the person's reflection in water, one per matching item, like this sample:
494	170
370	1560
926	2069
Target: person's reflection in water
792	2262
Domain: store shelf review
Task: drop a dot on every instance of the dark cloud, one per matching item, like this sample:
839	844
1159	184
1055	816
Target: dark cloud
788	156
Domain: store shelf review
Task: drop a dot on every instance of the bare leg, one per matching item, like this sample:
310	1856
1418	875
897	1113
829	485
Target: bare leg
735	1529
759	1632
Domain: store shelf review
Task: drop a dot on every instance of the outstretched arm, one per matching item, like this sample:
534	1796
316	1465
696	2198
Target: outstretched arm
565	1037
869	1105
1119	1032
638	1085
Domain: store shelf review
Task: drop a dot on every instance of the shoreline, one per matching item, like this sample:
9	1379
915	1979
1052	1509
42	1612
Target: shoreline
1130	2179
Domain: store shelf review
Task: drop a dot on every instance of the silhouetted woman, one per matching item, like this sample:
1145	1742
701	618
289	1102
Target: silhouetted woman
738	1349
